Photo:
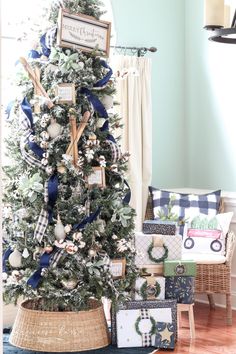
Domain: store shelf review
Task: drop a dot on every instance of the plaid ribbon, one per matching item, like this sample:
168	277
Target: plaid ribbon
46	192
56	257
50	36
26	124
41	225
115	151
32	161
146	337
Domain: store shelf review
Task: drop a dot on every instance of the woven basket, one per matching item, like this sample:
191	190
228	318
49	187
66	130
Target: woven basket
60	331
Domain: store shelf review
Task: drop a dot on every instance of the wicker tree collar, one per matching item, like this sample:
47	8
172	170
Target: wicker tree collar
157	260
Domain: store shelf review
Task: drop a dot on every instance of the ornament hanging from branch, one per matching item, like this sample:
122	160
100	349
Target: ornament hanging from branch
36	81
76	134
97	177
65	93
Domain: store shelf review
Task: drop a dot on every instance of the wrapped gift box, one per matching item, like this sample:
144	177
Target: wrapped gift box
136	327
180	288
179	268
143	241
159	227
134	324
150	288
165	335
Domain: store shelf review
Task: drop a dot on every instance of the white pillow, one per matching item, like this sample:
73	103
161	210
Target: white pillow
206	234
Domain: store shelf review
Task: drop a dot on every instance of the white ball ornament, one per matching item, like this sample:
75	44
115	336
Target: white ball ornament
59	230
107	101
54	129
15	259
4	276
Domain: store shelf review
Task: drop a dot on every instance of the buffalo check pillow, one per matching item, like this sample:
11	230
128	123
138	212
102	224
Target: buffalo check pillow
185	206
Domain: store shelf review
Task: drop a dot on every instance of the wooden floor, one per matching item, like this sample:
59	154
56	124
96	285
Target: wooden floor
213	336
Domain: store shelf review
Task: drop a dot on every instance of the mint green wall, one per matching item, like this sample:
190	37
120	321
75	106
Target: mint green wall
160	23
209	105
193	89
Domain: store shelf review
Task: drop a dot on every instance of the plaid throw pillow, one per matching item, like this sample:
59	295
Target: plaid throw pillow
186	206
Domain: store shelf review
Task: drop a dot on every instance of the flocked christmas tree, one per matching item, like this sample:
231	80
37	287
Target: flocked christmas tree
66	211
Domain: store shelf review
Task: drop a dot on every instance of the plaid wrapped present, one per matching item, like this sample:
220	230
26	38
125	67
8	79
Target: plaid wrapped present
159	227
179	268
134	324
180	288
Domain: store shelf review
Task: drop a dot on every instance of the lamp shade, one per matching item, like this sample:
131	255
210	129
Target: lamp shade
213	14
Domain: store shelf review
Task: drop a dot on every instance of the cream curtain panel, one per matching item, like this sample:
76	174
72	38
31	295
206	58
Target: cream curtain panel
134	95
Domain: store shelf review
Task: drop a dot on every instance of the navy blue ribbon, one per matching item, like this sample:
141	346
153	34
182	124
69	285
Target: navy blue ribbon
28	112
5	258
97	104
46	51
127	197
52	194
44	263
34	54
87	220
106	78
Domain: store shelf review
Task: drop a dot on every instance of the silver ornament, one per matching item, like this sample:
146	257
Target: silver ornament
59	230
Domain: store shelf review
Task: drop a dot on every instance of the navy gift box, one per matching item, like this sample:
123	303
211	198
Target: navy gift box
181	289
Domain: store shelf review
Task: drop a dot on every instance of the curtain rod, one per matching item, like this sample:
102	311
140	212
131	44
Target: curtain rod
140	51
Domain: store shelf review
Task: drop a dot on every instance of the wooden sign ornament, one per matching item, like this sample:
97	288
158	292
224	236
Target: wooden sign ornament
36	80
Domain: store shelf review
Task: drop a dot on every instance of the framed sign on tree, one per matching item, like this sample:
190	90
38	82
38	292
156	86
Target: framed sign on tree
84	32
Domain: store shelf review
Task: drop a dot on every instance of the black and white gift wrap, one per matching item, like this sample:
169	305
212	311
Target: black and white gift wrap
130	329
143	241
159	227
150	288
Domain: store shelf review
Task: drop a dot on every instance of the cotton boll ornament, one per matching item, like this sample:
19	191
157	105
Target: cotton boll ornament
44	135
69	284
54	129
44	144
59	230
15	259
107	101
71	248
